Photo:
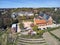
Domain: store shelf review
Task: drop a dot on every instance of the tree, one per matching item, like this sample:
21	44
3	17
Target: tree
7	21
31	17
35	28
21	25
1	22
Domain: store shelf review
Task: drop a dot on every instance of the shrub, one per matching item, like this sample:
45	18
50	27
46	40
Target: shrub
31	36
35	28
51	29
40	32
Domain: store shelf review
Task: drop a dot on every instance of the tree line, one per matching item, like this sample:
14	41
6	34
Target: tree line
5	16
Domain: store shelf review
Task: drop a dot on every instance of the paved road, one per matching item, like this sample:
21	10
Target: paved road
56	32
50	39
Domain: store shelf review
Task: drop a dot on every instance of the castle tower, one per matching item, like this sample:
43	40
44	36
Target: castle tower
34	22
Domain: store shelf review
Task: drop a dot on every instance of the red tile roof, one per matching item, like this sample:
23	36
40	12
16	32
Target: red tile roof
40	21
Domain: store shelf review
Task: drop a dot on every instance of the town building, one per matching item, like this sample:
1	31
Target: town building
43	19
24	13
15	28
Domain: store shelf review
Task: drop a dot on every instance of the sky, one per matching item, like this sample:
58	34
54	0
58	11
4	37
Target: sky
29	3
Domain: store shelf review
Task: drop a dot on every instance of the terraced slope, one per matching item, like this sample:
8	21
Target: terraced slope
25	41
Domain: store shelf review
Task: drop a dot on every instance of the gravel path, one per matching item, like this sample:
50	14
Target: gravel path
56	32
50	39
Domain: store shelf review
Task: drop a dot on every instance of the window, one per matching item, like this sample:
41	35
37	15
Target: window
44	28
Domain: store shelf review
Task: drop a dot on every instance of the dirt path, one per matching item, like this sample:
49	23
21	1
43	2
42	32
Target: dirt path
50	39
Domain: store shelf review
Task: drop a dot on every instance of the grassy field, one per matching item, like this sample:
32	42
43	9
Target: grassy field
6	38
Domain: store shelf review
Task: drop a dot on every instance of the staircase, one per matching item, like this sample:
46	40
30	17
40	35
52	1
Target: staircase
25	41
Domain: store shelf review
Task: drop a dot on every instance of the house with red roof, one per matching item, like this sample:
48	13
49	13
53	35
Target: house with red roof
43	19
